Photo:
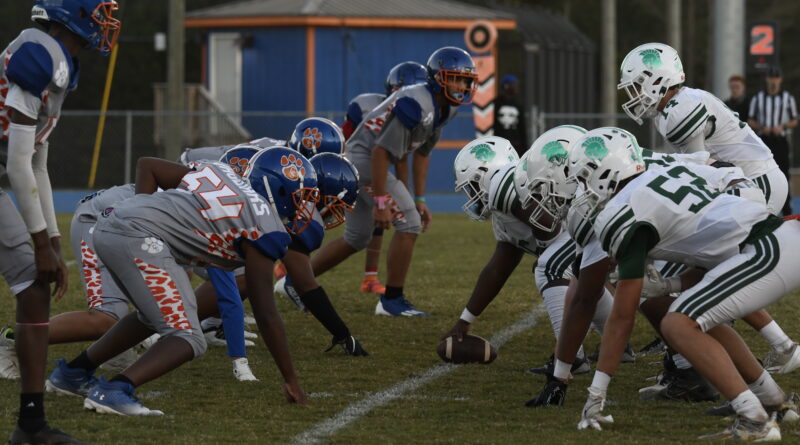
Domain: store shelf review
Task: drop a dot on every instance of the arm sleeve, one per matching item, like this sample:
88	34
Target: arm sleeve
45	191
31	67
231	310
20	174
686	124
633	252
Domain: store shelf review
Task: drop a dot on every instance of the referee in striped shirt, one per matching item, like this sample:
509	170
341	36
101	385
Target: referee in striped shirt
772	113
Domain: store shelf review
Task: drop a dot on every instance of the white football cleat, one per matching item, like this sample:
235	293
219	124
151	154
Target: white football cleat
242	372
9	365
777	362
248	334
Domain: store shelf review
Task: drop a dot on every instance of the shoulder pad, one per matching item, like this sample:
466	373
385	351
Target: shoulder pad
311	237
685	118
354	113
408	111
612	226
502	193
273	245
31	67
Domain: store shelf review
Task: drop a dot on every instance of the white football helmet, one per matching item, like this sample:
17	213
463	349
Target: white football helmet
475	165
646	74
601	159
540	177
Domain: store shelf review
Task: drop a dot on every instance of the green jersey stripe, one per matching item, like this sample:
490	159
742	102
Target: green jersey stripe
614	229
700	123
506	183
584	233
669	133
692	124
555	267
611	221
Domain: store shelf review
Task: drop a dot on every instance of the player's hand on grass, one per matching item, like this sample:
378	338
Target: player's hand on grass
458	331
592	415
294	394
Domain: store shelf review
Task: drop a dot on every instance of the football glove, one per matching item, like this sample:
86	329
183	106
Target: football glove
592	416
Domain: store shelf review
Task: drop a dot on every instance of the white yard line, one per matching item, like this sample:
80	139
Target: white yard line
355	411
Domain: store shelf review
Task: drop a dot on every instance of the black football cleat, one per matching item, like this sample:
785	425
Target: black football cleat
350	345
553	394
45	436
579	366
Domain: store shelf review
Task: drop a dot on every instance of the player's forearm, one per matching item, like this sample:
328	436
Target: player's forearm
419	168
380	170
45	191
401	168
578	314
21	139
492	278
152	173
619	325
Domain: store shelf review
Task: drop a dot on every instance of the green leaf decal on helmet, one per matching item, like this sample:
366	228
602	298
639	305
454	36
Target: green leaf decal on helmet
483	152
555	152
651	58
595	148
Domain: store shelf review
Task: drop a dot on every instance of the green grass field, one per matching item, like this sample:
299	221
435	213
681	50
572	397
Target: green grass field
469	404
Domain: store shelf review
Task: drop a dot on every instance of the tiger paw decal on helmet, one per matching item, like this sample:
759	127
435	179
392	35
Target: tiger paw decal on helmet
293	167
312	138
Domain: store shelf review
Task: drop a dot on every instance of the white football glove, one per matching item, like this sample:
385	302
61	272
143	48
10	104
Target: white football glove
655	285
592	411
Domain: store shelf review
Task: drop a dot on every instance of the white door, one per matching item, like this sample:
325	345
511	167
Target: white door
225	72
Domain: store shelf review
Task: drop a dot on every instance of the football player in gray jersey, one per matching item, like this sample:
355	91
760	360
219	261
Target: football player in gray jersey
207	216
408	121
401	75
37	70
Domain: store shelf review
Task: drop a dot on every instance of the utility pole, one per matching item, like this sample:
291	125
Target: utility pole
608	62
727	43
173	139
674	24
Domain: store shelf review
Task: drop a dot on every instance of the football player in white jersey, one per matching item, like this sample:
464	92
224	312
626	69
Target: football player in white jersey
693	120
484	171
665	214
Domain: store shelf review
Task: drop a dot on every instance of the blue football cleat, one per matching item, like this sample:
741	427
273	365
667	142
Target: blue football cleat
116	398
70	381
397	307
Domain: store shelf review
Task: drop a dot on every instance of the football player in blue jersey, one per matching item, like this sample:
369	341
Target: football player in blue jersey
37	71
408	121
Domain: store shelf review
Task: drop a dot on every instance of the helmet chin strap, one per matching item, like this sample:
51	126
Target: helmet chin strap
269	196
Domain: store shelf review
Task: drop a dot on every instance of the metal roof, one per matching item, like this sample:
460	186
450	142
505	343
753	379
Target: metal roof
429	9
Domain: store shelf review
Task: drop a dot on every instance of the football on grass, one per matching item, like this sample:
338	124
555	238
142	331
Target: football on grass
472	349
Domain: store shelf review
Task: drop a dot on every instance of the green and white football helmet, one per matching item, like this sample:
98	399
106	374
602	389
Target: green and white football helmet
646	74
540	177
475	165
600	160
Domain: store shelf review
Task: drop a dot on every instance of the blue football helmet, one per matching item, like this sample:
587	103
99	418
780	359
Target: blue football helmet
405	74
452	70
286	179
238	158
317	135
338	187
91	20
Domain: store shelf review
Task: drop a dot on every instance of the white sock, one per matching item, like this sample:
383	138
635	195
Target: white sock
562	370
599	384
767	391
776	337
604	306
681	362
746	404
554	301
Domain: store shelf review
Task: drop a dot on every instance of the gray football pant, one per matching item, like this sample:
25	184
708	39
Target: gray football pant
360	222
156	285
17	263
102	293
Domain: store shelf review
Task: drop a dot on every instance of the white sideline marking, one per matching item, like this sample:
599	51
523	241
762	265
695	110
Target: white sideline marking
353	412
